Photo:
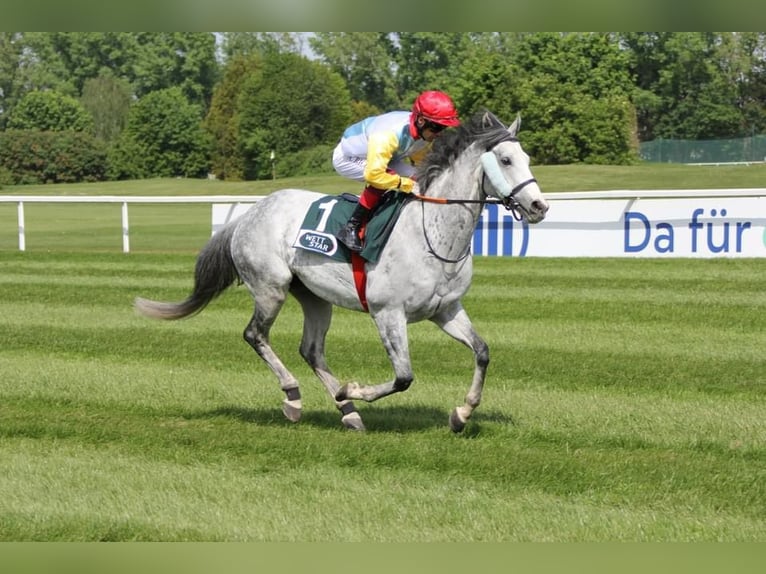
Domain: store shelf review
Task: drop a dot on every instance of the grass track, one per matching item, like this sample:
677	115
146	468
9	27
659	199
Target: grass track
625	401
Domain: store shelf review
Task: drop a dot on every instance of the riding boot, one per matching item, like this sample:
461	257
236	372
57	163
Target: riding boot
349	235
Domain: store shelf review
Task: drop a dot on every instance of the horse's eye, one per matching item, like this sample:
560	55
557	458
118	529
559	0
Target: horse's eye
505	160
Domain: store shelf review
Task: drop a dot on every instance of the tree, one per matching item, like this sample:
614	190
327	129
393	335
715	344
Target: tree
573	92
222	121
365	61
183	59
50	111
483	77
108	101
10	57
688	84
149	61
41	67
83	55
291	104
163	138
699	103
428	61
234	44
751	79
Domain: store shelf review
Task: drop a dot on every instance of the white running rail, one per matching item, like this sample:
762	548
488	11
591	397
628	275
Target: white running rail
20	200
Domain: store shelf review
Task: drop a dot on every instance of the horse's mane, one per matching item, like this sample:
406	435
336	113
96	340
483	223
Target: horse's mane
483	129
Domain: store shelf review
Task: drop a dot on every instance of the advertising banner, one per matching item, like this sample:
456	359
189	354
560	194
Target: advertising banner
703	223
668	227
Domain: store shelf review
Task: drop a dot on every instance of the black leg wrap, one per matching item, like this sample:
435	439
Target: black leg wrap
293	394
347	409
402	384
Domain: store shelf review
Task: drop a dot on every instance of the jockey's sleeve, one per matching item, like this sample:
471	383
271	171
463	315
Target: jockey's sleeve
380	149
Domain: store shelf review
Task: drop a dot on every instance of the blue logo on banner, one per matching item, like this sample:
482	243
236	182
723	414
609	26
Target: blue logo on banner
716	234
498	227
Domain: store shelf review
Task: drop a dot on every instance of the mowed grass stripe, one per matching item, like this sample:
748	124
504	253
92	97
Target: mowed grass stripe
583	328
74	264
686	420
261	506
737	310
565	353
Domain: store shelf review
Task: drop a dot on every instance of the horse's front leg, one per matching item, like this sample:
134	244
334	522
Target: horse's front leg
392	326
455	322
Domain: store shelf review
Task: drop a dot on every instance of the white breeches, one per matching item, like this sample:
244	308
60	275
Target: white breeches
353	167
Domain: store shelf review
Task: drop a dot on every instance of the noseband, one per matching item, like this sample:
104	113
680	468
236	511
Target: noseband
510	202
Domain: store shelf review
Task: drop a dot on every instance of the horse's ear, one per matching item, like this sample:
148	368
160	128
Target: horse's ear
488	119
514	127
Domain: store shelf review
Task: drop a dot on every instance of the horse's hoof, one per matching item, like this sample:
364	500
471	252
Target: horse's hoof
456	424
292	410
353	421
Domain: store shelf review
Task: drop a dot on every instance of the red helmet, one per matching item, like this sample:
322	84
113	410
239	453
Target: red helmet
436	107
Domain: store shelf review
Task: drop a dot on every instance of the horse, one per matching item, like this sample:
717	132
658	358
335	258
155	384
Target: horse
422	273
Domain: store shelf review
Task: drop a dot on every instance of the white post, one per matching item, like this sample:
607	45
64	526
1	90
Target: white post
125	231
22	238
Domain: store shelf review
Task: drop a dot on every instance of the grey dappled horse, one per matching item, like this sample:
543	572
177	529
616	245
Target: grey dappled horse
422	273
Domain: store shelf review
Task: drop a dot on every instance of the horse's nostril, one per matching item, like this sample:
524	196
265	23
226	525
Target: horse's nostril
540	206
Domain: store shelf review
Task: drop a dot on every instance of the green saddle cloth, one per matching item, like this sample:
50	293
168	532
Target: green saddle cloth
327	215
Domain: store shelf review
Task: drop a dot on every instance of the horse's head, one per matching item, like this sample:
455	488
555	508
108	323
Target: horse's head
506	175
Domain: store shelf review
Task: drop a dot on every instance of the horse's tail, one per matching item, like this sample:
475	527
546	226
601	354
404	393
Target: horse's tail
214	273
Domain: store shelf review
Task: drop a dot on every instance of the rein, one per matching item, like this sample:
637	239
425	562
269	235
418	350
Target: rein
509	202
431	250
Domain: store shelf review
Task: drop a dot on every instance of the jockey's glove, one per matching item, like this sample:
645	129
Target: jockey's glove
407	185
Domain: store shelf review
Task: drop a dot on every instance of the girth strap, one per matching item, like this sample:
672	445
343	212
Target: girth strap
360	278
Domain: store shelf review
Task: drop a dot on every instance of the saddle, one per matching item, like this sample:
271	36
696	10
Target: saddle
327	215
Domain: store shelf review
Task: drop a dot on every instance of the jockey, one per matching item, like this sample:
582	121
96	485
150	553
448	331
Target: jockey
382	151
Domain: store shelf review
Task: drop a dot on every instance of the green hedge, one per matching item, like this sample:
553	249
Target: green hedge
35	157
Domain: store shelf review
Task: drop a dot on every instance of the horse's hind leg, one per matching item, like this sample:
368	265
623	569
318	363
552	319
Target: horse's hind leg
317	315
268	302
455	322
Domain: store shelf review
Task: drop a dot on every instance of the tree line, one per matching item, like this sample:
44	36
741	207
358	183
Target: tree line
88	106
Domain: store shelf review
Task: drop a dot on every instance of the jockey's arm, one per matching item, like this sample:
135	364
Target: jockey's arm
380	149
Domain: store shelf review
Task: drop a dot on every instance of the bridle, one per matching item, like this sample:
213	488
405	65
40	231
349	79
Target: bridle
510	203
